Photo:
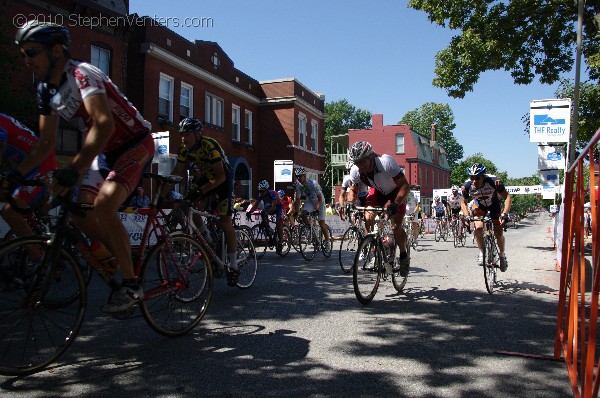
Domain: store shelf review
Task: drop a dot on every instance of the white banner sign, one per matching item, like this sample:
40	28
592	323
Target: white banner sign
550	120
283	170
551	157
524	190
549	178
549	192
161	152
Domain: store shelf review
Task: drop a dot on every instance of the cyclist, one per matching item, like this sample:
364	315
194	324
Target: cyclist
211	167
286	205
387	183
117	147
439	211
454	207
347	194
487	194
310	192
16	141
413	208
271	205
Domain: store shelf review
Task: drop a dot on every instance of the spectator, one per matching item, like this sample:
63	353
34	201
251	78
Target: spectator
140	200
587	222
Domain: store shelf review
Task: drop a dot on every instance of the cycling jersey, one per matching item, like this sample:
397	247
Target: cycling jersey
455	201
485	198
310	192
271	203
438	208
17	141
382	178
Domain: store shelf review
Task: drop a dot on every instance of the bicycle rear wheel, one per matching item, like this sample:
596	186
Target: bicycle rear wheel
308	248
366	271
177	279
489	269
35	327
246	259
286	243
348	247
295	237
326	252
260	241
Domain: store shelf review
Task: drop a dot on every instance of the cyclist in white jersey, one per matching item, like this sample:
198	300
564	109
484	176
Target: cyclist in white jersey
347	194
310	192
388	183
454	206
118	142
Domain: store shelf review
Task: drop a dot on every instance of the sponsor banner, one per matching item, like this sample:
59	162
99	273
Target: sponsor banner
549	192
551	157
550	120
549	178
524	190
283	170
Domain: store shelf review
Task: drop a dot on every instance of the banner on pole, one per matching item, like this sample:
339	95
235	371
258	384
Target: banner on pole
283	170
550	120
551	157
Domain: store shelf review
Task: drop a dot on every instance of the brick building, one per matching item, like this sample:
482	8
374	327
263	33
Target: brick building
168	77
423	159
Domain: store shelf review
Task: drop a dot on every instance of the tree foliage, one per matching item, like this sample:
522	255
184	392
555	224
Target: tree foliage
589	108
458	175
421	119
524	37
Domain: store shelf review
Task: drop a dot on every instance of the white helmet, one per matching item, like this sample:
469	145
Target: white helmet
264	184
454	188
359	150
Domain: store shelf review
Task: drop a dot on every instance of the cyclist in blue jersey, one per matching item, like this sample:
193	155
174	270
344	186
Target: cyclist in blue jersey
310	192
271	205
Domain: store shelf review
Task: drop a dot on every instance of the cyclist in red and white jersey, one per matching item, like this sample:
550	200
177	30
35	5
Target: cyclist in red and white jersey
117	146
388	183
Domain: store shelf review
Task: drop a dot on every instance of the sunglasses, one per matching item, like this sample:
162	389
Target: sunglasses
31	52
474	178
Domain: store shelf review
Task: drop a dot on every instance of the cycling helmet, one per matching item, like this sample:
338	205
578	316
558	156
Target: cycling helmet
436	198
454	188
190	125
281	193
476	169
359	150
43	32
299	171
263	185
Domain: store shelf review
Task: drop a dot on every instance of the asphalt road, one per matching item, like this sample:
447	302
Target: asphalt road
300	332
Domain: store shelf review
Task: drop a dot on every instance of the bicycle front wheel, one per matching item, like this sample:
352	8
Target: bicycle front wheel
366	272
324	248
489	269
260	241
246	259
348	247
37	325
177	279
437	232
398	280
308	248
286	242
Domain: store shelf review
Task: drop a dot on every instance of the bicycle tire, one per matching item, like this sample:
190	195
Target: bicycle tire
246	257
286	243
366	271
307	245
259	239
456	236
326	253
348	248
177	279
295	237
30	340
398	280
437	232
489	270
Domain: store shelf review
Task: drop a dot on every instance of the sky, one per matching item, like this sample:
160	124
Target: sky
378	55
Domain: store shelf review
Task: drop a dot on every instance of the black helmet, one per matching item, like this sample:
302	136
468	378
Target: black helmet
190	125
43	32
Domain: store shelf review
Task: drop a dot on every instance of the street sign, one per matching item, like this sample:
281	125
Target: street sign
550	120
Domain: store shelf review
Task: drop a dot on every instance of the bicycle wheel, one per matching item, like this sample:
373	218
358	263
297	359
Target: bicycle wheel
397	280
437	232
489	269
308	247
444	232
456	235
260	241
286	242
246	258
177	279
36	328
348	247
295	237
326	252
422	229
366	271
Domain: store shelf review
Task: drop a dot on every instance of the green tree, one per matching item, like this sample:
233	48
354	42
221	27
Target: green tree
524	37
421	119
341	116
522	203
458	175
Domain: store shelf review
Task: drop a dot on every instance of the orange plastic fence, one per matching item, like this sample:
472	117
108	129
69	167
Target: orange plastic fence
576	325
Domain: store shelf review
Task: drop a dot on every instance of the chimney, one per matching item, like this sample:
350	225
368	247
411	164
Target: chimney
433	128
377	120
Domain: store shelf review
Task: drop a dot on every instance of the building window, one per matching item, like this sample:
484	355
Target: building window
185	101
399	143
165	97
314	135
100	58
302	130
213	110
248	127
235	123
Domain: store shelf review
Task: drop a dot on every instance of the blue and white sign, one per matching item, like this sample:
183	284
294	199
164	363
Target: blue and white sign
551	157
549	178
550	120
283	170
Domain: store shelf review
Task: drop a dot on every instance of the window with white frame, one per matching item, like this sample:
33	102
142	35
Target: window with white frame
165	97
248	127
185	101
213	108
399	143
100	58
314	135
235	123
302	130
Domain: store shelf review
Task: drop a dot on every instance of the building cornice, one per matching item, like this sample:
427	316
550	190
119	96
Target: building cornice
164	55
290	100
293	79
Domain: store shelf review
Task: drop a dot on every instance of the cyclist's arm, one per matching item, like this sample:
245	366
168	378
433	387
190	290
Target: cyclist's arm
507	201
44	146
402	183
220	178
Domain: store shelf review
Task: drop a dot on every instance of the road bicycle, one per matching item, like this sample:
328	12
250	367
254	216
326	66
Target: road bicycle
215	246
491	257
351	238
376	259
441	229
41	316
422	228
310	237
408	228
459	232
265	236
